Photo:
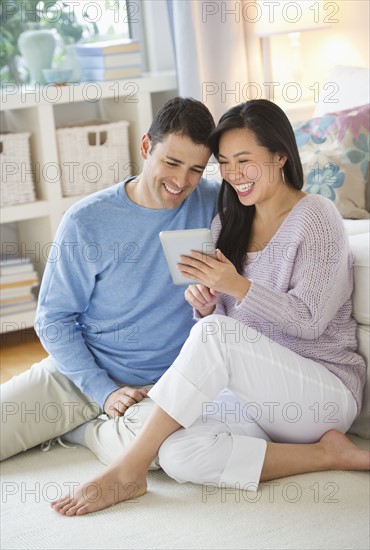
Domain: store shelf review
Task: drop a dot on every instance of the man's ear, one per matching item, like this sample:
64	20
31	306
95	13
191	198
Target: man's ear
145	146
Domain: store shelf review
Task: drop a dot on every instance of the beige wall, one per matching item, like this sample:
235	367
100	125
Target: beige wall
354	27
344	43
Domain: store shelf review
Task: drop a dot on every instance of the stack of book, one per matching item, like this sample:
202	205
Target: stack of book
110	60
17	278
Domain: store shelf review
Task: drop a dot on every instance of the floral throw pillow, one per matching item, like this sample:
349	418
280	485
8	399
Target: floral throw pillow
334	151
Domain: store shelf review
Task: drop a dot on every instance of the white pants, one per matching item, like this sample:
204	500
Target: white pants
282	397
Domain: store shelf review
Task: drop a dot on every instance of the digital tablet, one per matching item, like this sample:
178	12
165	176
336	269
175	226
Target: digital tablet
181	243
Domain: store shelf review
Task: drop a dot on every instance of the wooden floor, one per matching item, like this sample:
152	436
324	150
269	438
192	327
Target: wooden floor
19	350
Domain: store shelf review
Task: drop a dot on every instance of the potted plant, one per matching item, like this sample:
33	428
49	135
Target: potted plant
15	21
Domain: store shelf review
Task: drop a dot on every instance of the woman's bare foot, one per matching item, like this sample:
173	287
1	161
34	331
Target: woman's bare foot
117	483
342	454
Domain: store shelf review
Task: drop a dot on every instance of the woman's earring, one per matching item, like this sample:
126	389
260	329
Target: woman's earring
282	174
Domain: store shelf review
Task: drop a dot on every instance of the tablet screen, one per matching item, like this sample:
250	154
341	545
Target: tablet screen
181	243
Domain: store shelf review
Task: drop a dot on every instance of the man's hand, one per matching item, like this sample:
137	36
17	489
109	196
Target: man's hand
120	400
202	298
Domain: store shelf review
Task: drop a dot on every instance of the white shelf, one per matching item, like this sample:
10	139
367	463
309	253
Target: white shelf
37	110
15	96
17	321
28	211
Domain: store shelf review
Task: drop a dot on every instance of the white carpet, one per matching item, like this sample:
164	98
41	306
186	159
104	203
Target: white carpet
327	510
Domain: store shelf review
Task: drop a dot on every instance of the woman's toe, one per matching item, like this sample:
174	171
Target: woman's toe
61	503
82	510
73	510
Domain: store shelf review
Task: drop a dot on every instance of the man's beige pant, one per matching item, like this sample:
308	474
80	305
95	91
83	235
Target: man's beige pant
41	404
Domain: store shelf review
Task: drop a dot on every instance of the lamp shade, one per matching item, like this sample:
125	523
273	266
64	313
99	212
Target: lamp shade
286	16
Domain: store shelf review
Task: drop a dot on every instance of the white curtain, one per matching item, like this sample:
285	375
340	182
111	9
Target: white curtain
210	48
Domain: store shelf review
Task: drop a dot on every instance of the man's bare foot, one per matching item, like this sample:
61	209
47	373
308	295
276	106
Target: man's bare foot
114	485
342	453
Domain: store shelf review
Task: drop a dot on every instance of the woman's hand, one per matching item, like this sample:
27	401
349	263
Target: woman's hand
218	274
202	298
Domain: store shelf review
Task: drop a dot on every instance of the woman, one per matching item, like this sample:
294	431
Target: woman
274	327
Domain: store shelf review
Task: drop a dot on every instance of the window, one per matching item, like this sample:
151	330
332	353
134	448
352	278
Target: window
73	20
108	17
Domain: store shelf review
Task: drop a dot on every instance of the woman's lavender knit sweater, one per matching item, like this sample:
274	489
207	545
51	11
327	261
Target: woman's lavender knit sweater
301	289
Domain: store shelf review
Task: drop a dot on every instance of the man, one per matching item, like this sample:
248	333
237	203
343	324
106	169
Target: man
108	313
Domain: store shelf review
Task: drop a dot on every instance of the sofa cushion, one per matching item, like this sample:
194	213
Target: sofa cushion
334	151
361	425
360	247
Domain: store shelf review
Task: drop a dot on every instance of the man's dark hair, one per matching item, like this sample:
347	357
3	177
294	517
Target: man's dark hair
184	116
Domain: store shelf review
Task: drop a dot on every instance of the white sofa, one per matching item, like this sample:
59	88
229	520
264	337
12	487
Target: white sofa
353	90
359	239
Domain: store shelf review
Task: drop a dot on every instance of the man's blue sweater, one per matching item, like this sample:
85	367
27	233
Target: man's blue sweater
108	311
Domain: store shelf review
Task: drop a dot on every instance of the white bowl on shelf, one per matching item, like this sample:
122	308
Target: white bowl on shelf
57	76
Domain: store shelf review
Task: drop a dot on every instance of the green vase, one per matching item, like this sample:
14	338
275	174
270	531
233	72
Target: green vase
37	47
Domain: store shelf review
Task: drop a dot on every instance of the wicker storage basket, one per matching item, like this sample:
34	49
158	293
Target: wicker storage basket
93	155
15	169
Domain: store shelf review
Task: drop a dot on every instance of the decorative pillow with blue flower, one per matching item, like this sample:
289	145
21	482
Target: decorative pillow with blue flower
334	150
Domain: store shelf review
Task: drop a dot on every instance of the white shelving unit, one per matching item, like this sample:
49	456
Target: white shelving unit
40	110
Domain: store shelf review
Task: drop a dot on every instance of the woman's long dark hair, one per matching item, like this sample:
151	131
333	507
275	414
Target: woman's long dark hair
272	130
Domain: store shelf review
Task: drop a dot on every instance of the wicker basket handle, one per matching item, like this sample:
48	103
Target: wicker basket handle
97	138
